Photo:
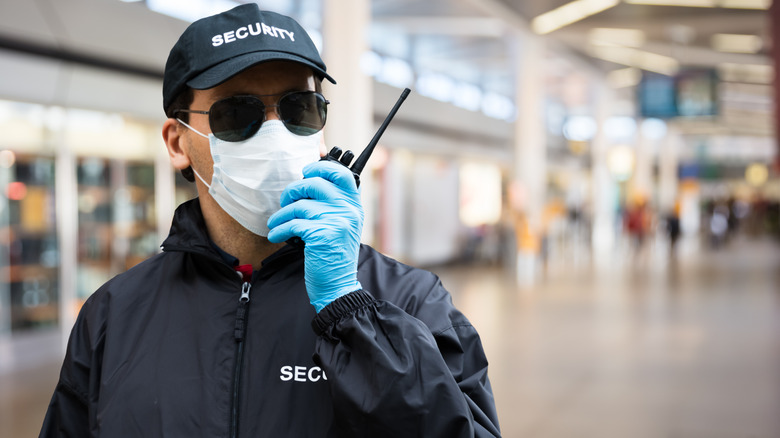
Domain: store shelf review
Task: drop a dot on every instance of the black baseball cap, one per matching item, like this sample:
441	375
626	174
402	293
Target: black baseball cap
216	48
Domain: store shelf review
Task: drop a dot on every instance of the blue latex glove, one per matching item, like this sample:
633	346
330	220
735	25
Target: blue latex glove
324	210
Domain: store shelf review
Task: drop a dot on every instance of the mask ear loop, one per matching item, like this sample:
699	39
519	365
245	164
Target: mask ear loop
204	136
191	128
208	186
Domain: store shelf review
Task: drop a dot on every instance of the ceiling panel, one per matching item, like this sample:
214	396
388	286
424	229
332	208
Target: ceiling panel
438	36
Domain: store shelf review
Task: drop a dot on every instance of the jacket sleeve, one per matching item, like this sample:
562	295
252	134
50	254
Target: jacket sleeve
390	376
68	414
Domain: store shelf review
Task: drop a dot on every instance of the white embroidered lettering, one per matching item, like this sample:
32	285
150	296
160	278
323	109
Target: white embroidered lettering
268	30
279	32
286	373
253	30
256	30
302	374
284	31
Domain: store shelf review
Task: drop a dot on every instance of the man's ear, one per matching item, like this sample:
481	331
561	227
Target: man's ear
172	133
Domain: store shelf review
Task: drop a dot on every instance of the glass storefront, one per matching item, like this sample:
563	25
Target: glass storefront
29	242
116	219
80	202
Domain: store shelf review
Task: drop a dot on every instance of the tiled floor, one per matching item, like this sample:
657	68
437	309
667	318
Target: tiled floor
624	348
635	348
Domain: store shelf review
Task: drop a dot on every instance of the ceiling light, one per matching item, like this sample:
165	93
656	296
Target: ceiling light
746	4
621	161
468	26
653	128
620	128
396	72
436	86
624	77
568	14
580	128
602	36
733	43
756	174
688	3
637	58
730	4
498	107
748	73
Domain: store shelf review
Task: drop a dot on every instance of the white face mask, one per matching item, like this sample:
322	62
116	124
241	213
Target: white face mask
250	175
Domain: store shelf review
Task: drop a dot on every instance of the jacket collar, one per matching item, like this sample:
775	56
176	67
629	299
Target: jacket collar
188	230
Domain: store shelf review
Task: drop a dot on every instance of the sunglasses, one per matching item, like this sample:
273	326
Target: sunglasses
238	118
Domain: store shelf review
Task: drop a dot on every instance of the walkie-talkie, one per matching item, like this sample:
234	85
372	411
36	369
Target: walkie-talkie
335	154
345	158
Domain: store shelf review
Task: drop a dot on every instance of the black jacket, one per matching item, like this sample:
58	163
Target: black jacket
169	349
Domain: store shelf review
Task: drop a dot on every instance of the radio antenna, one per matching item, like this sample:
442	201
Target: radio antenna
361	161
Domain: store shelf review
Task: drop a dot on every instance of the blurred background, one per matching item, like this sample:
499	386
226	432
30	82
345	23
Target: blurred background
595	181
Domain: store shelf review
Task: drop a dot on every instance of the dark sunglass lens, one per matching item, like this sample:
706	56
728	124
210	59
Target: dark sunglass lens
236	118
303	113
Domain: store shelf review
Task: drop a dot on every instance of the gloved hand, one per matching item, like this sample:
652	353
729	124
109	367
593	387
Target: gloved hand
324	210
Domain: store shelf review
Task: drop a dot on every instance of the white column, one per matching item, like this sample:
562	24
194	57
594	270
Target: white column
642	181
603	187
530	164
668	160
350	114
66	194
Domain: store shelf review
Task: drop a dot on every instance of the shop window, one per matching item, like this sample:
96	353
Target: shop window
30	260
116	219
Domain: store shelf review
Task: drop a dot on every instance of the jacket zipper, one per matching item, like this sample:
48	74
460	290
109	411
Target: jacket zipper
238	334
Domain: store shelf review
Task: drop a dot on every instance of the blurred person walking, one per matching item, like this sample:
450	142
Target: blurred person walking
673	229
637	223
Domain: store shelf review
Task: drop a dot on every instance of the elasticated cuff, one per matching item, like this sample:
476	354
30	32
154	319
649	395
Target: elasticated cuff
336	310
